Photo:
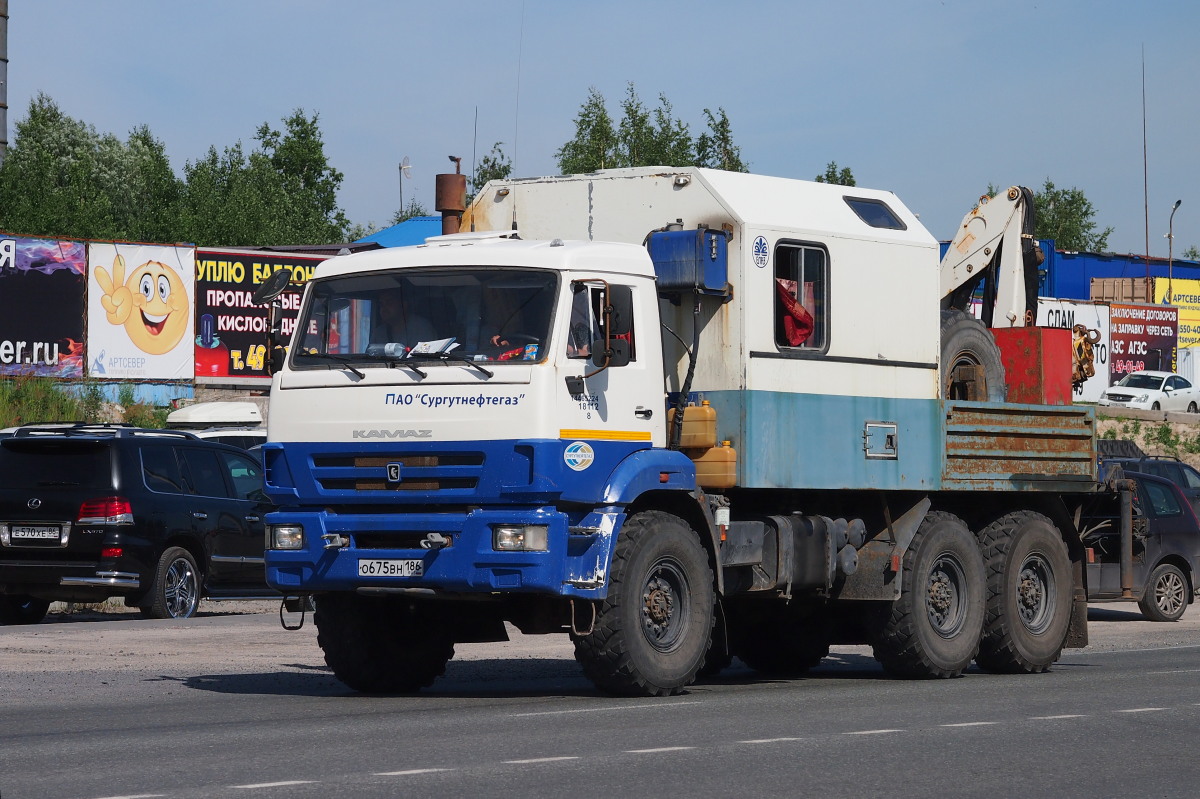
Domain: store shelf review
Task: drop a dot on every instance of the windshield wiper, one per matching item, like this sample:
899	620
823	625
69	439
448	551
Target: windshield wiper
343	359
454	356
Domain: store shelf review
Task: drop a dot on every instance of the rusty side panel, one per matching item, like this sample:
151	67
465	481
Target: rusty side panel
1006	447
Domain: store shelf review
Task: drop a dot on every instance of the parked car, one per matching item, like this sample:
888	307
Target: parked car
1167	467
1166	548
158	517
240	437
1153	391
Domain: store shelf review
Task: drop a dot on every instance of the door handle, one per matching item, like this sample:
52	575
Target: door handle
197	514
253	518
643	413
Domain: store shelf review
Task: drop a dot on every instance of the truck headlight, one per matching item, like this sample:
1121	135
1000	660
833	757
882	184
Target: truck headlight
285	536
520	537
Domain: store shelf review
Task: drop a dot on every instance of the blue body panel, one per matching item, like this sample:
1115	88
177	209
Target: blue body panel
459	490
787	440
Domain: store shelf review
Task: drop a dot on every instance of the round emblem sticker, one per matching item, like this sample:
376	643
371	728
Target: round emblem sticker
579	455
761	252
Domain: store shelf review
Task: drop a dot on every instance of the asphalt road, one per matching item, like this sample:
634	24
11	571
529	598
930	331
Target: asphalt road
229	704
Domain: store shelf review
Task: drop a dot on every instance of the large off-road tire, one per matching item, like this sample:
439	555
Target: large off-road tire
1029	594
966	342
381	644
779	641
719	654
21	609
653	630
1166	594
175	592
933	629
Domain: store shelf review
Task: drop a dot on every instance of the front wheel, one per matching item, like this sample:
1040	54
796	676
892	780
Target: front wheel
653	630
933	629
382	644
175	593
22	609
1029	594
1155	407
1166	594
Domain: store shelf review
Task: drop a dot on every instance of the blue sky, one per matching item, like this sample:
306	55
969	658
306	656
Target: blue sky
930	99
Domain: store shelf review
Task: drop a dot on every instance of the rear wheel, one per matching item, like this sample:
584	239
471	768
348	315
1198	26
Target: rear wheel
653	630
1166	594
971	365
381	644
780	641
1191	407
933	629
175	593
1029	594
20	609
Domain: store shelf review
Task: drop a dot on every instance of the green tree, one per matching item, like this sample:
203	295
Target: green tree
285	192
715	147
843	177
1068	217
595	143
645	138
1192	253
493	166
62	178
414	208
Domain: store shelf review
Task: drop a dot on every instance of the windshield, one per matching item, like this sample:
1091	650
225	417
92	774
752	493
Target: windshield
482	314
1136	380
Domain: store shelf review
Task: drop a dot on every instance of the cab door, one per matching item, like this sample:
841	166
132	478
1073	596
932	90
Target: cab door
623	401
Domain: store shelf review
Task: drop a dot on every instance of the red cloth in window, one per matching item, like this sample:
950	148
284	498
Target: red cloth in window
797	321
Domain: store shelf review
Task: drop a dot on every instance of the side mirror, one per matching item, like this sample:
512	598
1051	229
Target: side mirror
620	317
278	355
617	353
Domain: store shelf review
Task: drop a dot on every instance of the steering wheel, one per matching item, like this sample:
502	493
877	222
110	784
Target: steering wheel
516	339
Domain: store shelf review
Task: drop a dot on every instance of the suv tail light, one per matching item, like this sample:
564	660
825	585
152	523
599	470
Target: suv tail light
105	510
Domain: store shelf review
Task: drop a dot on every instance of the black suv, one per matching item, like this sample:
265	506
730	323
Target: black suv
158	517
1166	547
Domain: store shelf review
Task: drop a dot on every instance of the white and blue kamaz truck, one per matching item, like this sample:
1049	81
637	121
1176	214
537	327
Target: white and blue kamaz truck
680	415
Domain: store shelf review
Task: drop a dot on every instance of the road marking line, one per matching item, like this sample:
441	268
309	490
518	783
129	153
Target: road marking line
659	749
135	796
603	709
1175	671
275	784
870	732
408	772
1140	710
542	759
1063	716
971	724
1146	649
770	740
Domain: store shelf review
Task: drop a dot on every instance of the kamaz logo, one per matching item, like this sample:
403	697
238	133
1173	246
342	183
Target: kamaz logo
392	434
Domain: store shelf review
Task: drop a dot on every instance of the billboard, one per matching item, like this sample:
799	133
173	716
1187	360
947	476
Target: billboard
1141	337
140	307
43	284
1186	297
231	332
1068	313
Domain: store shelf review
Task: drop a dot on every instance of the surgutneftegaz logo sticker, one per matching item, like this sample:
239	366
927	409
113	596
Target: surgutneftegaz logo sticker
579	455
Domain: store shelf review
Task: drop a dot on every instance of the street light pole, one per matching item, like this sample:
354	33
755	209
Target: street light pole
1170	251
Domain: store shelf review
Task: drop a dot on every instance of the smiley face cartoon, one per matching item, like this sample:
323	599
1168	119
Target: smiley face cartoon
152	304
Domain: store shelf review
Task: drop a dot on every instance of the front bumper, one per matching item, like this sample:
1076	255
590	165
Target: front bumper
575	563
